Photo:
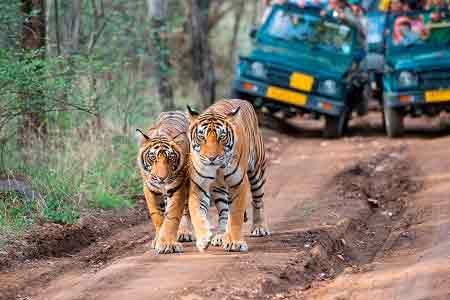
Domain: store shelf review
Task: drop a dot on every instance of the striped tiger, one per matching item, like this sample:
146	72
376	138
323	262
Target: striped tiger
162	161
227	148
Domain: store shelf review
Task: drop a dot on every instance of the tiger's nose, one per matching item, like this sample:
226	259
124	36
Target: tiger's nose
212	157
159	178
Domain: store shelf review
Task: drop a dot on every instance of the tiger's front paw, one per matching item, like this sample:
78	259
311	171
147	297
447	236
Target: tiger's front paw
203	242
235	246
217	240
185	236
168	247
153	244
231	245
259	230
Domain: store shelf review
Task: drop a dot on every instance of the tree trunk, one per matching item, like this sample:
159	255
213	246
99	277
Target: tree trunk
158	13
202	63
98	25
239	9
72	27
57	34
32	39
255	12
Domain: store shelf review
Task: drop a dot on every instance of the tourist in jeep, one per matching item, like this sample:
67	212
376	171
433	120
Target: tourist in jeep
342	10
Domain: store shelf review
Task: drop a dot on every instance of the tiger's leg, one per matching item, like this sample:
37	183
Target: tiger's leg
257	181
199	202
233	237
156	206
221	201
167	238
185	233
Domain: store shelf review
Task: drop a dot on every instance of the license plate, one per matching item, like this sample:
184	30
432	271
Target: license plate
286	96
302	82
437	96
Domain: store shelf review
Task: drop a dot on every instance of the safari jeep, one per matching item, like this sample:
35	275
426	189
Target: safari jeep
416	79
304	63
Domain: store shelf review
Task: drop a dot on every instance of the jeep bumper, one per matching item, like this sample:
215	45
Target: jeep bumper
312	103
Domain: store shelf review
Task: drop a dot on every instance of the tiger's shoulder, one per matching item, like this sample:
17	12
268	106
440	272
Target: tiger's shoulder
171	124
225	106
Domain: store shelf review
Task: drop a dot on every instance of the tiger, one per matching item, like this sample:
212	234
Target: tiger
163	162
163	159
227	147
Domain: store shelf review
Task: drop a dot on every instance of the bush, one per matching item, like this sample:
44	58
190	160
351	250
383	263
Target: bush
74	172
16	213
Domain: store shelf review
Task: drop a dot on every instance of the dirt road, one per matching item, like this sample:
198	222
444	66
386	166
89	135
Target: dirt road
363	217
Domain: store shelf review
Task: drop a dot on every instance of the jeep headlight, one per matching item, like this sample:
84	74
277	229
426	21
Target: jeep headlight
407	79
328	87
258	70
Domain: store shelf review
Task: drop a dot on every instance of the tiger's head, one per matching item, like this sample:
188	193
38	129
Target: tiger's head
212	137
161	159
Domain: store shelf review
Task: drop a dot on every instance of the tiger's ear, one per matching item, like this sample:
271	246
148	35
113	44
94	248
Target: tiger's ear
234	112
193	114
144	137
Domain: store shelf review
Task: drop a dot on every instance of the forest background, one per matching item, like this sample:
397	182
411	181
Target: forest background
77	77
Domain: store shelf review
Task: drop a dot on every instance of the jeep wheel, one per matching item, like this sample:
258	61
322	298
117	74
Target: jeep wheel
362	108
393	119
335	126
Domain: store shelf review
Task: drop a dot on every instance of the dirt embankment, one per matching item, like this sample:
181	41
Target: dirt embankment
56	240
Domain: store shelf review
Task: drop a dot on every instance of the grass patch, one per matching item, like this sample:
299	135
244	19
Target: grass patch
72	172
16	213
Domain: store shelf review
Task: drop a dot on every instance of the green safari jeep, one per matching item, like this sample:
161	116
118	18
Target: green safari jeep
304	63
416	79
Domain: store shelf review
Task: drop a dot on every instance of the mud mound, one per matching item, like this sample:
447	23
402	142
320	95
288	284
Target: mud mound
383	183
321	260
55	240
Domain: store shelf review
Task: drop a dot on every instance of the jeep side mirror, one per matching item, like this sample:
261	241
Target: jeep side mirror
253	31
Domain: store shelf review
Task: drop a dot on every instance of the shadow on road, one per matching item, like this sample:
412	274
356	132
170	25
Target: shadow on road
368	126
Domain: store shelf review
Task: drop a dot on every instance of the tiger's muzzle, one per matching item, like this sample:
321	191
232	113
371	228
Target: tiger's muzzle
212	160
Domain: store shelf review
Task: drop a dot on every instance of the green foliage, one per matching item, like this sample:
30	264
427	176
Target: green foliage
16	213
89	172
59	212
92	101
113	179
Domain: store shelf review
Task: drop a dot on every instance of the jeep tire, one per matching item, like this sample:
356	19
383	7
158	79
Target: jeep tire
336	126
393	120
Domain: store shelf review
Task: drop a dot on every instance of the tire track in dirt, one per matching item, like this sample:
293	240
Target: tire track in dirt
414	262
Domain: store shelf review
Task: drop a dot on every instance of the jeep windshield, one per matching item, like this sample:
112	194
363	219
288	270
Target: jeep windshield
306	30
420	30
